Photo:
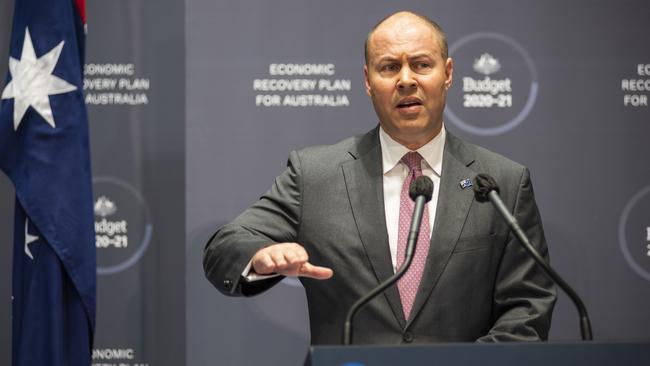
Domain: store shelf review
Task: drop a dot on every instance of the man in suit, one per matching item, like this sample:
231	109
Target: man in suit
335	218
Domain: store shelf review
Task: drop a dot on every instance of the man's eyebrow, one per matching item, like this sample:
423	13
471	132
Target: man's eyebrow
389	57
421	55
386	57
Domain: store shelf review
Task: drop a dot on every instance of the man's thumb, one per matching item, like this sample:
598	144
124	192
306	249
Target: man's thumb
319	273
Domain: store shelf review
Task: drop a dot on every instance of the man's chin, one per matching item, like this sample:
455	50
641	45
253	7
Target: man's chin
413	135
414	126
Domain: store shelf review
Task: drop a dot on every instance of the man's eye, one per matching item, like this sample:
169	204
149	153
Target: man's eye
390	68
423	65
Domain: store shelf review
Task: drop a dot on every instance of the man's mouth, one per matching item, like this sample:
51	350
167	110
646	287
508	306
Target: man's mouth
409	102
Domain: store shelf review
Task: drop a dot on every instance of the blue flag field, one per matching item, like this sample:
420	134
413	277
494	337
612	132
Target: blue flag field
44	151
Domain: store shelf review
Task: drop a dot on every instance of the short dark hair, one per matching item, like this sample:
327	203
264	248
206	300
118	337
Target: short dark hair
441	34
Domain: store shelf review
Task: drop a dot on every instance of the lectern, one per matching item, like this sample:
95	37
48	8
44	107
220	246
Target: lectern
502	354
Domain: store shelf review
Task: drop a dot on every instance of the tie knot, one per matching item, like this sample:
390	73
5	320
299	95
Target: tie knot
413	160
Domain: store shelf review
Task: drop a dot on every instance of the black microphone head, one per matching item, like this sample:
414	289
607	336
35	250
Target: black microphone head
483	184
421	186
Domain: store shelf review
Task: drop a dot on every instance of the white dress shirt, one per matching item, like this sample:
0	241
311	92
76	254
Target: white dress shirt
395	173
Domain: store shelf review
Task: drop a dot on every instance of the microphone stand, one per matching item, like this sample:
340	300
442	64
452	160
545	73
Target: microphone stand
585	325
414	231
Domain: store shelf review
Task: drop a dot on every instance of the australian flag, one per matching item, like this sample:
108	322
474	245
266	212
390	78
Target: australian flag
44	151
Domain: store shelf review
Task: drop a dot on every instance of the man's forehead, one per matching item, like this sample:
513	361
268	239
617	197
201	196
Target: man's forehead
403	34
389	36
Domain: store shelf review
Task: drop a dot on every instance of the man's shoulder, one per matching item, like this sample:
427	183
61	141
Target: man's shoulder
487	156
483	160
347	149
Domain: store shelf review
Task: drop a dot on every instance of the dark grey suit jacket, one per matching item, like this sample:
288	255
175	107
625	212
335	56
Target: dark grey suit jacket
479	284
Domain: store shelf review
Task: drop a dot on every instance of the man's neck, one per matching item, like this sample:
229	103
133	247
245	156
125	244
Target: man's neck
416	142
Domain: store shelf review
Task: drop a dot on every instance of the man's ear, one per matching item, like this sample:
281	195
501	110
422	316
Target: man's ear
449	71
365	79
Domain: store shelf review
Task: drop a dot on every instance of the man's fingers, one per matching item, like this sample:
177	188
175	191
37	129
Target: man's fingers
297	255
278	259
294	258
263	264
283	258
316	272
289	259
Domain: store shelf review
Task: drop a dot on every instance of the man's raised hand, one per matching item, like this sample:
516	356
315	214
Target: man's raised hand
288	259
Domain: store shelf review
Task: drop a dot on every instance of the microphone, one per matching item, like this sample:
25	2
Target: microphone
420	191
486	189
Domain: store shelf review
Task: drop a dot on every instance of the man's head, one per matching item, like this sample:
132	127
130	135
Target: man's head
407	75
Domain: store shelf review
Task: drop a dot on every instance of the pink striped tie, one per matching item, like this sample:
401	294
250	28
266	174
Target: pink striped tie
408	284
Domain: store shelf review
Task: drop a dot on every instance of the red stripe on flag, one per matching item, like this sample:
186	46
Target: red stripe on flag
81	8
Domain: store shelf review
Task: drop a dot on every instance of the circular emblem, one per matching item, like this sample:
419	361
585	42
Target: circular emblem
634	233
496	84
122	225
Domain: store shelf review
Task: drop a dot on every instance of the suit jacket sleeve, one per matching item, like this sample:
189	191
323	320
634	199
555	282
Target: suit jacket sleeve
273	219
524	294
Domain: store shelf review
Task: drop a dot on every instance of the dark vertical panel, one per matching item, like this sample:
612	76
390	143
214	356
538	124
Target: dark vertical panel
138	165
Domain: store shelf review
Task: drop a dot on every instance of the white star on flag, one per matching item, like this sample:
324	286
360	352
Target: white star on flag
29	238
32	82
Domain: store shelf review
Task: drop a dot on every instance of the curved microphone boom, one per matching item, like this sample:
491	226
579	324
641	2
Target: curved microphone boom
485	188
420	191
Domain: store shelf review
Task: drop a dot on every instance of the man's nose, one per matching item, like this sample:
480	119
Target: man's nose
406	79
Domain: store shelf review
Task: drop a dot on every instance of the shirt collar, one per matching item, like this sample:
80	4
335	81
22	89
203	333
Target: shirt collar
392	151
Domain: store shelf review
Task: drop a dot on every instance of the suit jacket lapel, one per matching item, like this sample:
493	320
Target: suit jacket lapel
364	183
453	206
